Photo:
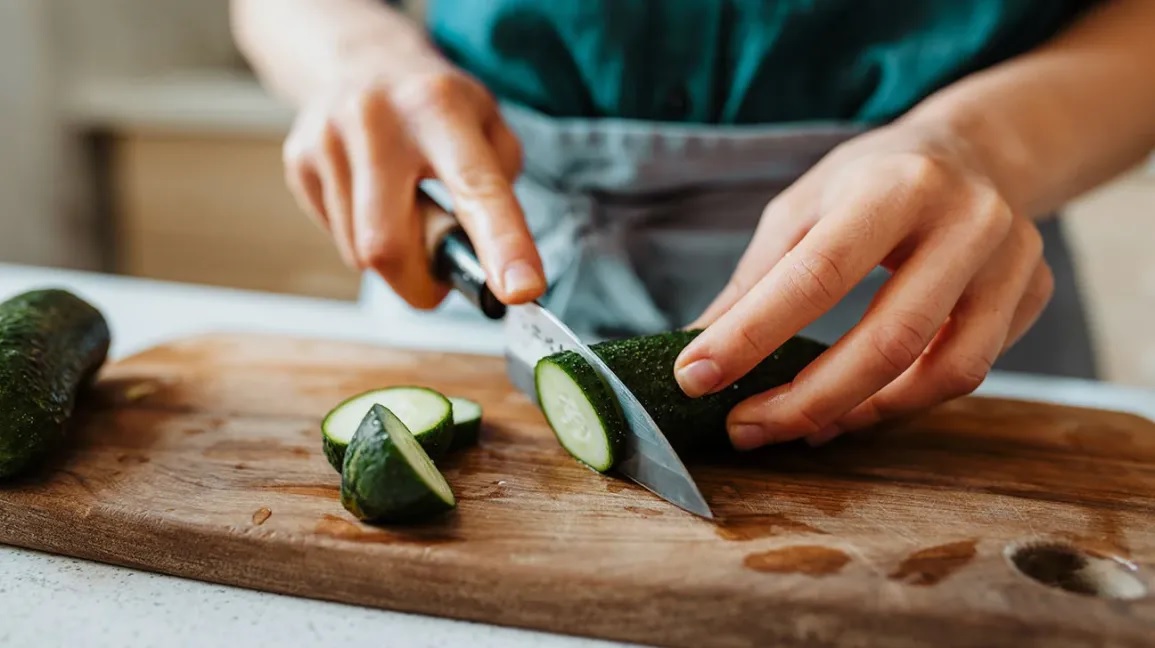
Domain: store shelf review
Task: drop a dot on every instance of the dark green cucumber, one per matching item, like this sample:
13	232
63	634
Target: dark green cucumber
388	477
52	343
581	409
427	413
466	422
646	366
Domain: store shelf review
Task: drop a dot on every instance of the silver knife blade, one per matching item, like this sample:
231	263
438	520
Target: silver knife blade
648	459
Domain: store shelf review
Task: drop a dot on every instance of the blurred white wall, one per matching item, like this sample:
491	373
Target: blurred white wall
34	227
126	37
46	48
68	66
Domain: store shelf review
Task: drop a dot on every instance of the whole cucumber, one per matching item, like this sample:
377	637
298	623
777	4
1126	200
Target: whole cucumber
584	414
52	343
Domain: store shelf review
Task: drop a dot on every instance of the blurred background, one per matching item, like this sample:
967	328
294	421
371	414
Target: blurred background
134	140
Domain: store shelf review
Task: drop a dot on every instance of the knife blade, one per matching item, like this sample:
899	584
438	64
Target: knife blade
533	332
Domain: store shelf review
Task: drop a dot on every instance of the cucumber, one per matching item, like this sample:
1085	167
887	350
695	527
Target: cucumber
466	422
427	413
587	419
52	344
387	475
580	408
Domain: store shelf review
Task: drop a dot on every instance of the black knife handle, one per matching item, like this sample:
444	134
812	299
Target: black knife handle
454	260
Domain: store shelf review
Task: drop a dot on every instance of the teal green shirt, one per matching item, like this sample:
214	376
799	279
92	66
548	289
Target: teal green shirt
735	61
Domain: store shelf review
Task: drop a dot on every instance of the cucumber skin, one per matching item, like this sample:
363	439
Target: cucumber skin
377	483
645	364
52	344
465	435
334	452
437	441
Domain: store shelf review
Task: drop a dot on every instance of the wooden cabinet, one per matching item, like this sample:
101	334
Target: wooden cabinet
214	209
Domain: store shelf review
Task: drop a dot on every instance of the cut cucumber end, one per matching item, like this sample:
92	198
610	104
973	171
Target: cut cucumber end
422	464
574	418
425	412
464	410
466	422
419	408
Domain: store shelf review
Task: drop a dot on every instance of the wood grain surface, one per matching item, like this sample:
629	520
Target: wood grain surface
202	459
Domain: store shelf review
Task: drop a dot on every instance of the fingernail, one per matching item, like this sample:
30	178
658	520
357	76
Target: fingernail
699	377
824	436
519	277
747	436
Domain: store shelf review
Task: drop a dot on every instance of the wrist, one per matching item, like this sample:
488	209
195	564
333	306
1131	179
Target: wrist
383	54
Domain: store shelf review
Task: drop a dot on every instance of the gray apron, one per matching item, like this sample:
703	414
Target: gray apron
641	224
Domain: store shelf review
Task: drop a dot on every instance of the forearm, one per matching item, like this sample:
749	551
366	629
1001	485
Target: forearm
298	47
1059	121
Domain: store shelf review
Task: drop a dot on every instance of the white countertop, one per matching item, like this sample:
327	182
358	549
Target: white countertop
112	606
49	601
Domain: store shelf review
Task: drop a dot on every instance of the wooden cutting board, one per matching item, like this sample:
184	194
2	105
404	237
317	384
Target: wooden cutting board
202	459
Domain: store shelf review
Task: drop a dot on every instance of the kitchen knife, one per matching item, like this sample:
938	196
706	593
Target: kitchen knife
532	332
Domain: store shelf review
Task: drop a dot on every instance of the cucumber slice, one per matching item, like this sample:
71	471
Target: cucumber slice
581	410
588	422
387	475
425	412
466	422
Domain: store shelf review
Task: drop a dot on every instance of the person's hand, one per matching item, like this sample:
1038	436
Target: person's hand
968	279
355	156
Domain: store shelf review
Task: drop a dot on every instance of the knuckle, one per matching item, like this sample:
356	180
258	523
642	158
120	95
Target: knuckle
737	285
482	183
1032	241
814	282
990	211
295	151
901	341
292	154
1041	289
367	105
752	339
805	422
435	93
964	373
293	167
782	202
873	410
327	144
921	171
382	252
864	229
305	133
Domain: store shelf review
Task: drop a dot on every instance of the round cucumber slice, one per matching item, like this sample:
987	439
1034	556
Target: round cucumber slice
425	412
387	476
466	422
574	397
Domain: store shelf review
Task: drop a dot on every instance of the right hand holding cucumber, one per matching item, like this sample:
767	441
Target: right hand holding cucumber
355	156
